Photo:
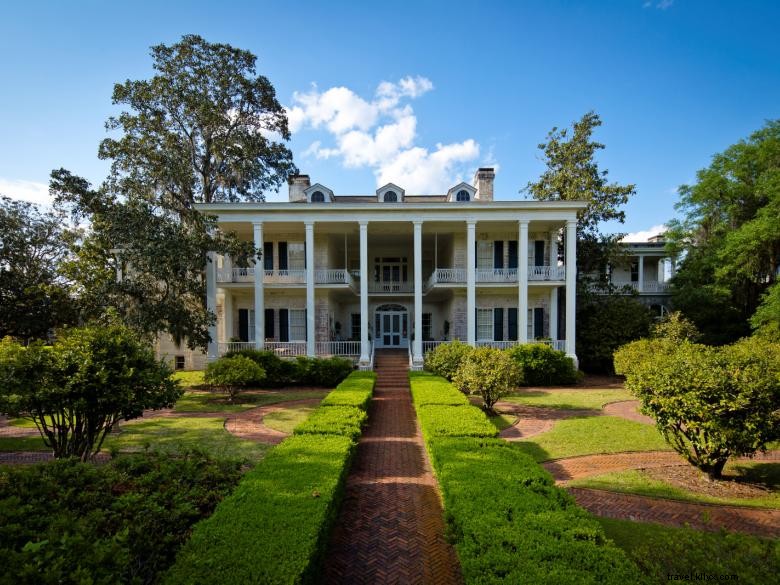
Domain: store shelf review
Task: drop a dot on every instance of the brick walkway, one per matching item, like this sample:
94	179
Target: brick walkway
249	424
674	513
390	527
535	420
627	409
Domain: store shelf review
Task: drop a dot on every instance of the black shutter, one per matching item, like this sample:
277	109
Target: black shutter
498	324
282	255
512	323
538	323
269	323
284	325
243	324
512	249
304	254
498	254
268	256
539	253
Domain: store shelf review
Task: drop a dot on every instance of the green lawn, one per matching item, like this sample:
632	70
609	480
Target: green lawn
637	482
593	434
34	443
286	419
217	402
189	378
569	398
661	551
178	434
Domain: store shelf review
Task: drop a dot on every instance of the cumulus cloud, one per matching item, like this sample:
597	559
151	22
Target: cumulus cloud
379	133
644	235
25	190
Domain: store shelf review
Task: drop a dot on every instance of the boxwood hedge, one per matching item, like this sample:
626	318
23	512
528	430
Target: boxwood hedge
431	389
508	521
274	527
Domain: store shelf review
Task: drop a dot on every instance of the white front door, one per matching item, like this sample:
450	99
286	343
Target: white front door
392	328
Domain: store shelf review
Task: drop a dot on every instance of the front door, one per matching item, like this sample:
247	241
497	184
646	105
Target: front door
392	328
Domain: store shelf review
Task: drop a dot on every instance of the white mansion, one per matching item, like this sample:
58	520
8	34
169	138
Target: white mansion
345	275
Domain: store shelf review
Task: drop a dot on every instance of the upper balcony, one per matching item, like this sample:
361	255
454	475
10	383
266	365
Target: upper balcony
324	276
457	276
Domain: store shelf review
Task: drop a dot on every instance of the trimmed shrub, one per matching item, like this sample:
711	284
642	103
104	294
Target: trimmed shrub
454	421
346	421
355	391
278	372
675	327
541	365
274	527
489	373
430	389
303	371
508	521
232	374
710	403
123	522
445	359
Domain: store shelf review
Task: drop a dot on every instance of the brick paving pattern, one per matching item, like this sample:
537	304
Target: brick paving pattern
673	513
249	424
535	420
390	527
627	409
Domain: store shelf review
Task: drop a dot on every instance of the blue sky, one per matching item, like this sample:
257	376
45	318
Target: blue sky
467	84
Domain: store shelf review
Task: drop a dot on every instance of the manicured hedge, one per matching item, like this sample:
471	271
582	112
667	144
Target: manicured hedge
302	371
454	421
507	520
431	389
354	391
334	420
274	528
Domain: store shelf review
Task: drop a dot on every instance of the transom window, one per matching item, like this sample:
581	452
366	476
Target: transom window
462	195
391	197
318	197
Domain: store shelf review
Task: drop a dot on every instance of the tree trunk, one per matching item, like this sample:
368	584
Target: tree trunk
714	470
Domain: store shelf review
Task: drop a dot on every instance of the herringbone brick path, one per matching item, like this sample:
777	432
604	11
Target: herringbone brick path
390	528
674	513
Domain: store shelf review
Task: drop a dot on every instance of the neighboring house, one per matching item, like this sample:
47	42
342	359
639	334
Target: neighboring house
645	270
344	275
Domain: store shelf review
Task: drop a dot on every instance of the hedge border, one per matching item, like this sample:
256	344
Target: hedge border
506	518
274	527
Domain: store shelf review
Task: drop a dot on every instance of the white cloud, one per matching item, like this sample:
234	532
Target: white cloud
25	190
659	4
644	235
380	134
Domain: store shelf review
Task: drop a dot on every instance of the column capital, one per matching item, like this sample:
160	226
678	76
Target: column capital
257	223
417	222
523	222
363	223
571	222
309	224
471	222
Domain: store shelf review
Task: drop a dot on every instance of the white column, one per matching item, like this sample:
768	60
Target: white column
365	356
211	304
471	279
554	313
522	284
417	354
310	316
259	290
228	314
641	283
571	289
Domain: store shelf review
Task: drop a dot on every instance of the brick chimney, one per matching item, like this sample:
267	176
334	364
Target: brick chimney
483	182
297	185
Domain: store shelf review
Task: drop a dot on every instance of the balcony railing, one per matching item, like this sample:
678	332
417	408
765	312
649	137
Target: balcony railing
496	275
339	348
332	276
648	286
546	273
390	287
296	276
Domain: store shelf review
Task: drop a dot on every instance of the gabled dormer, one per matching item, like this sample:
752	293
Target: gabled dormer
462	192
319	193
390	193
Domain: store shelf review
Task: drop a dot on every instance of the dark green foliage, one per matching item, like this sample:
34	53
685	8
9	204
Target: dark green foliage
729	237
489	373
507	520
445	359
429	389
34	297
71	522
766	320
660	551
541	365
231	374
710	403
274	528
604	323
303	371
346	421
78	389
439	420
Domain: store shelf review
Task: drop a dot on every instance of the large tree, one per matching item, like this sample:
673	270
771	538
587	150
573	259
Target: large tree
729	236
205	128
33	295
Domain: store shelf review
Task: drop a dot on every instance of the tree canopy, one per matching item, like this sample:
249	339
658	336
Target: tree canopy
205	128
729	236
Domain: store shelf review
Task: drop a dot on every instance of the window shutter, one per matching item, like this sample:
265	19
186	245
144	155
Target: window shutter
538	322
513	257
498	324
243	324
268	256
269	323
284	325
282	255
539	253
498	254
512	323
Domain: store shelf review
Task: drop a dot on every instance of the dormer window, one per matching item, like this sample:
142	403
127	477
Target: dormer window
463	195
461	192
319	193
318	197
391	197
390	193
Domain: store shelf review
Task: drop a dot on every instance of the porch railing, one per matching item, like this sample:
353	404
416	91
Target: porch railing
390	287
286	348
429	345
338	348
331	276
296	276
224	347
546	273
496	275
448	276
497	344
